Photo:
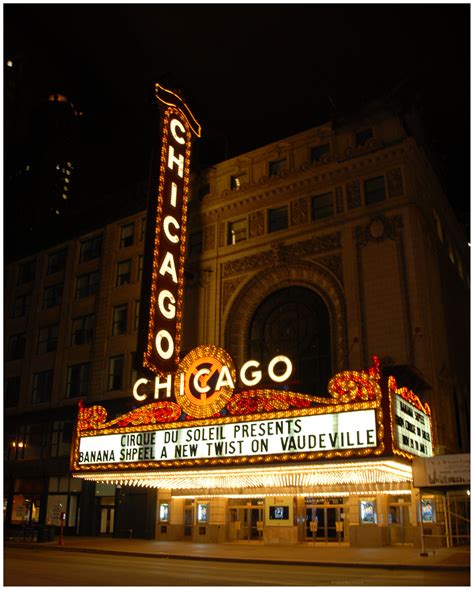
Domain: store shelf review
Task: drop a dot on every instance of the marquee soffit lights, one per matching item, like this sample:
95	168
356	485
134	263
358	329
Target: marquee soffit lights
291	476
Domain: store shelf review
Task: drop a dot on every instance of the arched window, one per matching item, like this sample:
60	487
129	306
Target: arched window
295	322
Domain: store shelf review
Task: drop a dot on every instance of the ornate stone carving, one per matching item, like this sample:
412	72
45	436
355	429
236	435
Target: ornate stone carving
395	182
299	211
209	238
334	264
256	224
339	200
228	289
353	194
282	253
378	229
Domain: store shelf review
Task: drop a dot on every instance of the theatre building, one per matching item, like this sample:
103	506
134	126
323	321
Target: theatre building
305	344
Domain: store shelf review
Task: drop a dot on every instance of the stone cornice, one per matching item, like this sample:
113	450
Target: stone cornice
331	170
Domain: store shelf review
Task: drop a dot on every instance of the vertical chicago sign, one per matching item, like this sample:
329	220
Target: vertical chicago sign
166	238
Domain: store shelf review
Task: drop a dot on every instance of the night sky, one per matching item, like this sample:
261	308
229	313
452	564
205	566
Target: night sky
250	73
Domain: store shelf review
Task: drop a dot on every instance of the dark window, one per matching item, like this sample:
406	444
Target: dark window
26	272
294	322
57	261
78	379
237	231
318	152
133	369
16	347
119	320
322	206
124	271
374	190
140	269
21	305
126	235
363	136
115	377
195	243
61	438
236	180
82	330
42	387
91	248
87	284
277	219
12	392
136	316
48	339
276	166
52	296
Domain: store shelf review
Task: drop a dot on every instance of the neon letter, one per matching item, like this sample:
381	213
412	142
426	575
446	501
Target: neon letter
164	335
168	266
286	374
166	223
168	312
176	123
179	161
136	385
256	375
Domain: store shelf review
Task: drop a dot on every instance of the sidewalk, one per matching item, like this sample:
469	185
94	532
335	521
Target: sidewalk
332	555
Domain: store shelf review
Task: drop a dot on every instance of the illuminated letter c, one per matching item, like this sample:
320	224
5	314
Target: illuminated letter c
175	123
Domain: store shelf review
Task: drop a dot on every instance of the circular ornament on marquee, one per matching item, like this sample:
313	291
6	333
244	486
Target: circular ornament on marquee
201	369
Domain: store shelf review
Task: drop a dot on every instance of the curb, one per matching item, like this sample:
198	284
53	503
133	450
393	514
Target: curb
161	555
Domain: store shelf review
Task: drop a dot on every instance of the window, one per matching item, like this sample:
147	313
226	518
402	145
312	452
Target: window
374	190
136	315
236	180
42	387
16	347
21	305
78	379
82	330
52	296
61	439
362	136
142	229
195	243
295	322
91	249
140	269
119	321
276	166
115	376
322	206
57	261
47	338
87	284
26	272
12	392
237	231
126	235
277	219
124	270
318	152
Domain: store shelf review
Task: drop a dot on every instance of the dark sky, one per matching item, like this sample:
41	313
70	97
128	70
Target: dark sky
251	73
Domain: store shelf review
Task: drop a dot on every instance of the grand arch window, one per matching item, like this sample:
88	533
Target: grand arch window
295	322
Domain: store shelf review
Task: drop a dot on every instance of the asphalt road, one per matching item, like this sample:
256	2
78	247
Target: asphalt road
29	567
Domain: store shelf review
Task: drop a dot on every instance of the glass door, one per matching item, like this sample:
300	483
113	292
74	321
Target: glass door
324	523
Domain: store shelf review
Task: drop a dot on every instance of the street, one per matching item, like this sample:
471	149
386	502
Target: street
30	567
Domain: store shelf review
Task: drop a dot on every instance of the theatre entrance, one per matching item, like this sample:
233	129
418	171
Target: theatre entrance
246	521
324	520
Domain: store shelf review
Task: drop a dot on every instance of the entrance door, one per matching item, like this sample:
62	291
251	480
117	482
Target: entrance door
321	523
107	514
246	522
188	521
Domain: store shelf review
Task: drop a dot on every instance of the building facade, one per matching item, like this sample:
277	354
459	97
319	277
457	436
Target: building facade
329	247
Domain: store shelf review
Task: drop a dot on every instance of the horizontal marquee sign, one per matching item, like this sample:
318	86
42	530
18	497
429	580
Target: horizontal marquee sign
319	433
197	416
